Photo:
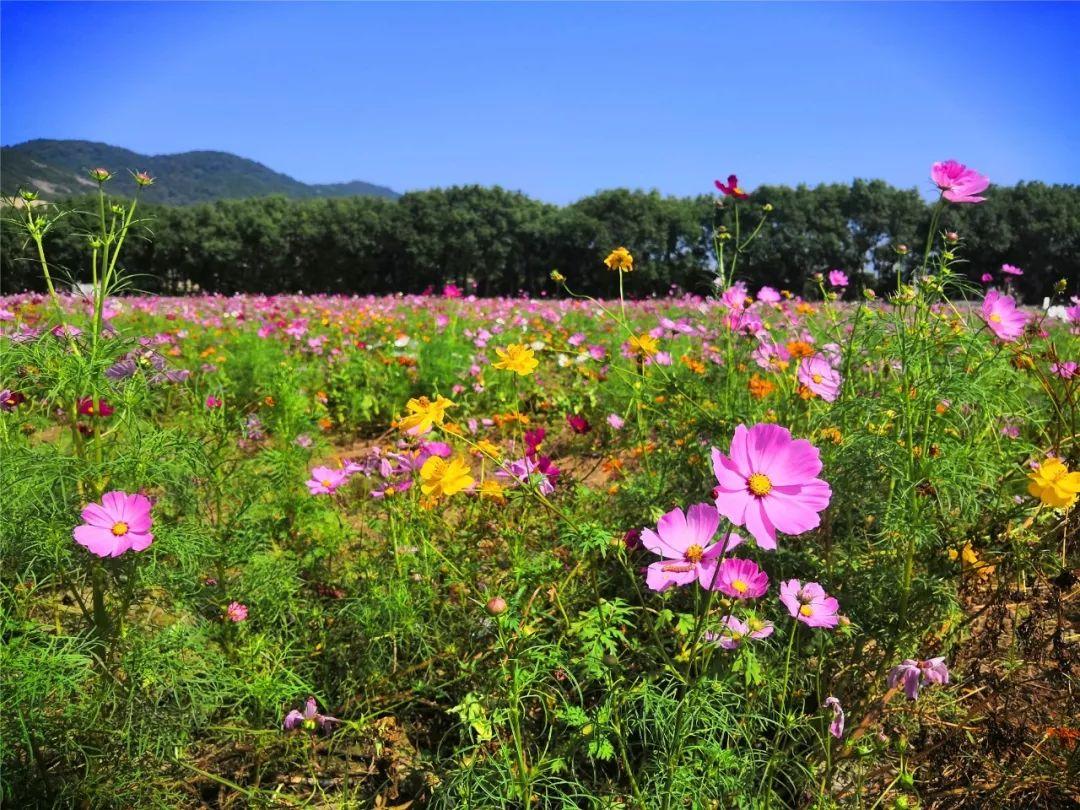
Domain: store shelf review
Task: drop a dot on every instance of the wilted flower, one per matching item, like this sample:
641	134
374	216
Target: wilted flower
311	720
810	604
119	523
914	674
684	540
769	483
836	727
958	183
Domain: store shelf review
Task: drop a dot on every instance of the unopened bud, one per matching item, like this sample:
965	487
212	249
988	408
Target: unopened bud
28	196
767	208
902	250
496	606
101	175
1061	285
143	179
869	294
557	277
952	237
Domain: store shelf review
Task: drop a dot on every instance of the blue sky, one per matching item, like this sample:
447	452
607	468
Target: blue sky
558	100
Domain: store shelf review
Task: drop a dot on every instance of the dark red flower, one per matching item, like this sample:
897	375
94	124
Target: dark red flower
86	407
578	423
732	188
10	400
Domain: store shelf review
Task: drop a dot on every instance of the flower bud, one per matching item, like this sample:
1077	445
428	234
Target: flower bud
902	250
952	237
142	179
101	175
869	294
1061	286
767	208
496	606
28	196
557	277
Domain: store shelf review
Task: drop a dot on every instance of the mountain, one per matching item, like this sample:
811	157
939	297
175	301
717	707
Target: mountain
58	168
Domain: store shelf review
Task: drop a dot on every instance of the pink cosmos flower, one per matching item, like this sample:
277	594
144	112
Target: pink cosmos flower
958	183
817	374
213	402
119	523
914	673
770	483
1064	370
838	278
103	408
236	612
987	278
741	579
311	720
326	480
810	604
684	541
615	421
836	727
1001	315
732	635
1011	270
578	423
731	188
767	295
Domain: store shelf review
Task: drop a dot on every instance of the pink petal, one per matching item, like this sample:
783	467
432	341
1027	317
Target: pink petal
759	525
95	515
789	514
674	532
702	519
140	541
799	462
654	543
97	540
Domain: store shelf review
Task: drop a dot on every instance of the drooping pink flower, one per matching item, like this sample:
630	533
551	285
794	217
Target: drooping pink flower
735	630
1011	270
311	720
1066	370
913	674
769	483
810	604
836	727
121	522
685	543
236	612
741	579
818	375
1001	315
838	278
326	480
731	188
958	183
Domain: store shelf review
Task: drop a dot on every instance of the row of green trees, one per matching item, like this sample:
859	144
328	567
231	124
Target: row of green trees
497	242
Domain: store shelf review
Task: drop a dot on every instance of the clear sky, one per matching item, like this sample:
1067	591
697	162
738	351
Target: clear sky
559	100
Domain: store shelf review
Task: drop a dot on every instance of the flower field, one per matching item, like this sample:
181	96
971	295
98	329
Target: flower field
755	549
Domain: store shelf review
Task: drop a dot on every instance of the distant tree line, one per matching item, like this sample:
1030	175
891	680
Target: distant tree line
496	242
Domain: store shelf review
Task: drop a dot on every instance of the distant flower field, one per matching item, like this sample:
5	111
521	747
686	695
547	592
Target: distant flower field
750	550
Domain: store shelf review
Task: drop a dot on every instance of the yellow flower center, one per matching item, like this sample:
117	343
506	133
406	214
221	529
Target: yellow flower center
326	482
806	610
759	484
817	378
995	318
740	586
120	528
693	554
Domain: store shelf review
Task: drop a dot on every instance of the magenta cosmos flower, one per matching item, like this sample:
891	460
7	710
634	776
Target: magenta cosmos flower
1011	270
735	630
236	612
818	375
685	543
326	480
741	579
838	278
769	483
1001	315
810	604
311	720
912	674
119	523
958	183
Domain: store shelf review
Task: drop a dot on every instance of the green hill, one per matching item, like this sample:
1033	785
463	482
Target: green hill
58	168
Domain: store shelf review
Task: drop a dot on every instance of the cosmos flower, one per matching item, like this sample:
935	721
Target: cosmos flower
311	720
913	674
615	421
10	400
326	480
517	357
769	483
741	579
810	604
1011	270
731	188
818	375
441	477
838	278
958	183
578	423
423	414
620	259
1053	484
1066	371
1001	315
236	612
121	522
87	407
732	635
684	541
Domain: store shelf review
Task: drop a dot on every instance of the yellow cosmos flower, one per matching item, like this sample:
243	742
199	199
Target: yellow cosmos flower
620	259
440	477
488	448
1054	485
644	344
517	357
493	490
424	414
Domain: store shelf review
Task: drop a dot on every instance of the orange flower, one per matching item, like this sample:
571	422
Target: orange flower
760	387
799	349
